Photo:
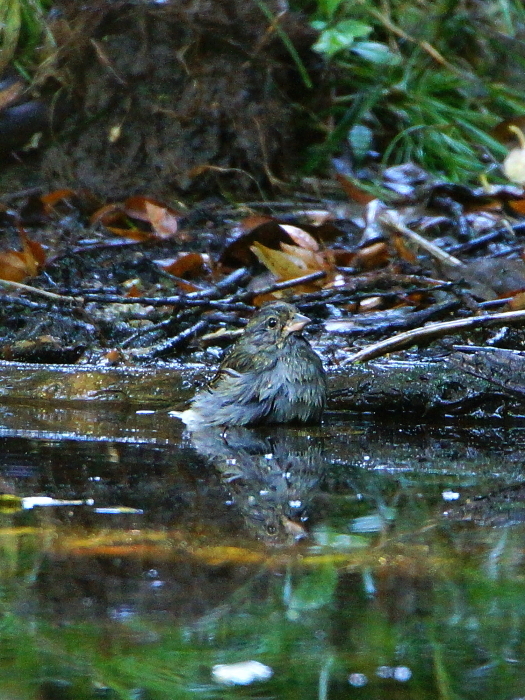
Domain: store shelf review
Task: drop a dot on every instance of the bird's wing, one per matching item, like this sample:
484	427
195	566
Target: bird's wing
241	360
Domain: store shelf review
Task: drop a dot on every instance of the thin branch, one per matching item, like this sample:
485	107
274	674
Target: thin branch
165	348
41	292
435	330
434	250
277	286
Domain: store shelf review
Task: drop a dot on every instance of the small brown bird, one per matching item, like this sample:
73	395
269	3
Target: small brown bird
270	375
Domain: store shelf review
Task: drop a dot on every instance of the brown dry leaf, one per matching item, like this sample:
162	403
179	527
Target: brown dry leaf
16	266
312	261
10	94
352	191
13	266
263	229
518	206
300	237
248	224
292	262
108	214
163	220
135	234
187	264
517	303
403	250
282	265
49	200
116	217
133	291
343	257
113	356
373	256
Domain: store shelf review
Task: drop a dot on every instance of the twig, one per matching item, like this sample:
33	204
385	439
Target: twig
277	286
435	330
40	292
13	196
434	250
21	301
165	348
414	319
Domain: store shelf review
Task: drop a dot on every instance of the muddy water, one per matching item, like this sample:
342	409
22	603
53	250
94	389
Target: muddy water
358	559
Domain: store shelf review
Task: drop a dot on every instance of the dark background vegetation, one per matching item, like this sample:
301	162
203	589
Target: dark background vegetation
232	96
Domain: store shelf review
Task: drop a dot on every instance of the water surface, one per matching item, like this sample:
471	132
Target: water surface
359	559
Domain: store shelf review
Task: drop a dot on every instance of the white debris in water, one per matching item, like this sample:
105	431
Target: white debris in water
38	501
450	495
402	673
242	673
358	680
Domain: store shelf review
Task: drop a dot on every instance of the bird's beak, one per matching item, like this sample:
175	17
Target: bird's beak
296	324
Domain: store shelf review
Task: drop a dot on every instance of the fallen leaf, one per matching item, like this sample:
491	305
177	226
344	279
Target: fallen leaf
402	249
163	220
49	200
117	218
187	264
514	163
10	94
16	266
300	237
282	265
372	256
517	303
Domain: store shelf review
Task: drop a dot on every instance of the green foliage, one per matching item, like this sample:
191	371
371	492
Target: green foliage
23	30
428	79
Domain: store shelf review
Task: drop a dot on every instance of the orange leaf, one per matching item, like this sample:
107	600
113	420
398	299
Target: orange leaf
33	249
134	234
13	266
353	192
107	214
517	206
375	255
402	249
16	266
190	264
49	200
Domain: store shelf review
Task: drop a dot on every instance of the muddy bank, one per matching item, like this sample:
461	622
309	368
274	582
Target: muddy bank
413	388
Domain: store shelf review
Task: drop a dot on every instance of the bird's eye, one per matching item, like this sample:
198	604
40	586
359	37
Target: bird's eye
272	322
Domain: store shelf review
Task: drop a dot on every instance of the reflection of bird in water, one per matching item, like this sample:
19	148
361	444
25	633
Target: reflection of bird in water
271	478
270	375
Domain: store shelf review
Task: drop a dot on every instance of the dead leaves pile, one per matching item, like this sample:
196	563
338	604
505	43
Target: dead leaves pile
398	232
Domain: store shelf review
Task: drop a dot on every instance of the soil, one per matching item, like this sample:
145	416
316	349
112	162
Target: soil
179	97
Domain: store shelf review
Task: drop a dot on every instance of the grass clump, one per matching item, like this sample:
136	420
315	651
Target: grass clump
427	80
24	35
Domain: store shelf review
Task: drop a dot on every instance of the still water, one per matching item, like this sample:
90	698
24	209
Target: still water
357	560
